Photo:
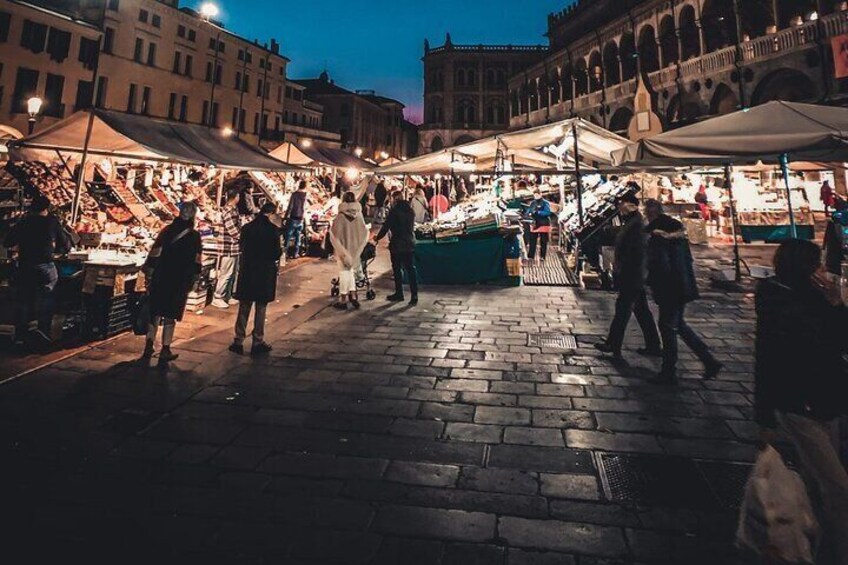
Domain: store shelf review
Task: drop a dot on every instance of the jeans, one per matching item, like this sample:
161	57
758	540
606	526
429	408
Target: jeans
258	321
36	284
534	238
672	325
817	444
405	262
226	277
633	301
294	230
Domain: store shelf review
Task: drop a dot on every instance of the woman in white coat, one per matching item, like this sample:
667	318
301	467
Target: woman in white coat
349	235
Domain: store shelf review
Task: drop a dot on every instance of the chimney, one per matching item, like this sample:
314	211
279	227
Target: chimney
275	47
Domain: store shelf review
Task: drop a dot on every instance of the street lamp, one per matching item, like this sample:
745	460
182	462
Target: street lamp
306	143
227	132
209	10
34	105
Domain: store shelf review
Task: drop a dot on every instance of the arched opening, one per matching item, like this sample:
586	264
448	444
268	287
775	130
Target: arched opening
629	56
596	72
496	113
466	112
567	84
515	104
437	144
785	84
683	110
648	52
756	17
463	139
620	121
789	11
460	77
612	70
534	95
724	101
522	100
435	113
554	86
689	36
581	78
668	42
719	22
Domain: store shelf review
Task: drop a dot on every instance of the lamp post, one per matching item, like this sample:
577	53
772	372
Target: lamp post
34	105
209	10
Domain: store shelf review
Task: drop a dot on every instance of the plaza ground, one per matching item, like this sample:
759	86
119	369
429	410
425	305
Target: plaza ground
393	435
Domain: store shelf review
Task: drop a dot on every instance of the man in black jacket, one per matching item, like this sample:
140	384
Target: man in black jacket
401	223
629	273
671	276
38	237
257	281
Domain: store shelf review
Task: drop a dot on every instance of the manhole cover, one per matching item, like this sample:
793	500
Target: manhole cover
671	482
552	341
129	422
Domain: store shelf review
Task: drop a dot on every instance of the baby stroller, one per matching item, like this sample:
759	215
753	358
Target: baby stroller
363	279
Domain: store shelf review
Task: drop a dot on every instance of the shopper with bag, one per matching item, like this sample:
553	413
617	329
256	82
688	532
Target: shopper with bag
227	246
540	214
257	280
801	386
401	224
349	236
172	268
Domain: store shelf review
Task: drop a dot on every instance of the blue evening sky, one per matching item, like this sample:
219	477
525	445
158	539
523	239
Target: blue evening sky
378	44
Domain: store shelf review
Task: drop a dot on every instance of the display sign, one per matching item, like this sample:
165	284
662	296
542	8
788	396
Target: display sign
840	56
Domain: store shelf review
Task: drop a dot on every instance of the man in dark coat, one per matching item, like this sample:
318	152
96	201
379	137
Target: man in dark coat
401	224
174	265
671	276
629	272
38	238
257	281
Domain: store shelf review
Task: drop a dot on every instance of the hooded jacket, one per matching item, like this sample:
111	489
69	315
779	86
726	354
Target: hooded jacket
800	342
349	234
401	223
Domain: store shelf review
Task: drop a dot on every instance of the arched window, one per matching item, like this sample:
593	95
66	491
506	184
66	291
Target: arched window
495	113
629	56
515	105
466	112
719	22
581	78
612	70
460	77
648	51
689	37
596	71
554	88
472	77
668	42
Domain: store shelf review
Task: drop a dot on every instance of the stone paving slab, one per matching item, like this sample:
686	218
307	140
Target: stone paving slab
431	435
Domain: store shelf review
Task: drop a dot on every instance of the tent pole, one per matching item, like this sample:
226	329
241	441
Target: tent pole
577	174
737	260
784	165
220	193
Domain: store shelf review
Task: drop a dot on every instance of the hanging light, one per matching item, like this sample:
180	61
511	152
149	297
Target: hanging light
306	142
358	152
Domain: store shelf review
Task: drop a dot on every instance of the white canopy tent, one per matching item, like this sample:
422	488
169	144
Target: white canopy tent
303	155
530	150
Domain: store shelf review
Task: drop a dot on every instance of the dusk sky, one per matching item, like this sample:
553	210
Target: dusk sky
378	44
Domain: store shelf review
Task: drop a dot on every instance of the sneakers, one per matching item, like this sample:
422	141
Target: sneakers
148	350
220	303
395	298
166	355
260	348
649	352
237	348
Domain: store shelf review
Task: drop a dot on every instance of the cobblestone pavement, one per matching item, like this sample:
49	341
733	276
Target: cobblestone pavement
433	435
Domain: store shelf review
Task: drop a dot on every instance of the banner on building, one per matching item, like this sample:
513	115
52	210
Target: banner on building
840	56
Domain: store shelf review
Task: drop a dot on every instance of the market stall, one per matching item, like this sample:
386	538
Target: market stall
773	133
551	158
137	174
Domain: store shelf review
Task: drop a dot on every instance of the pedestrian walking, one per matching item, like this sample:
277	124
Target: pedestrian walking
800	383
295	214
540	214
630	273
401	224
38	237
257	280
172	267
671	277
228	232
381	196
419	204
349	236
828	197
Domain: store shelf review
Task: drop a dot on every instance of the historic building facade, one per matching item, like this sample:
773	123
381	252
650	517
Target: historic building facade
364	120
698	58
155	59
466	96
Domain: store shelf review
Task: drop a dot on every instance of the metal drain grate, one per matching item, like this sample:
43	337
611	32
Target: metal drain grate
727	481
552	341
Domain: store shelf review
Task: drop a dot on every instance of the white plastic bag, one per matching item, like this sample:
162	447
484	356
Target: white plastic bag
776	519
